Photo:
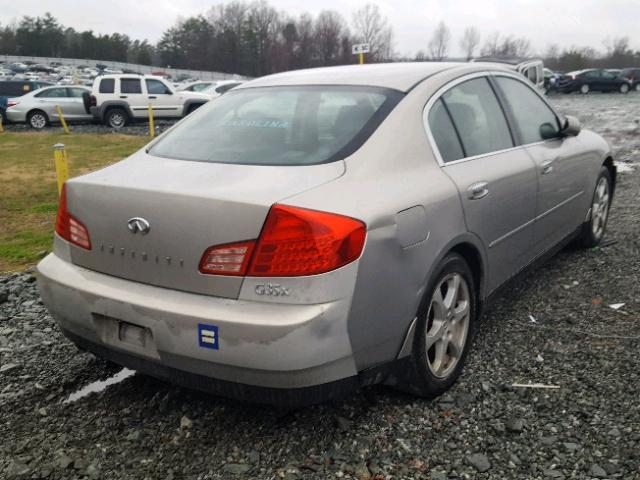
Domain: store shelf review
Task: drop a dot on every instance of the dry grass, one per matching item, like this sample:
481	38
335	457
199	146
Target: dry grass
28	192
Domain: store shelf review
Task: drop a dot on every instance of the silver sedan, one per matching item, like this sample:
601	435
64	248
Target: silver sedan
312	232
38	108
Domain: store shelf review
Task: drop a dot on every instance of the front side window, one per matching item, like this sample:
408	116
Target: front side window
53	93
156	87
303	125
130	85
534	119
478	117
107	85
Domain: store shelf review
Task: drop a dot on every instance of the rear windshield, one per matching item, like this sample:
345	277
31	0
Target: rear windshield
280	125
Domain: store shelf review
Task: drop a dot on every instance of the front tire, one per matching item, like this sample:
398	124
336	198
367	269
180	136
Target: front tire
624	88
593	230
37	119
444	329
584	89
637	87
116	118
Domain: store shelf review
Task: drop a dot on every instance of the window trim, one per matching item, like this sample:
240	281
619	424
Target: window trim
489	74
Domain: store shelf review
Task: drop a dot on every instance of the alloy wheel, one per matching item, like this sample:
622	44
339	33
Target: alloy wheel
116	120
38	121
600	208
584	88
447	324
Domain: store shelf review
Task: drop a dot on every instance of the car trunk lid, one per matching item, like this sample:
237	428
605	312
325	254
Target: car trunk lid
189	206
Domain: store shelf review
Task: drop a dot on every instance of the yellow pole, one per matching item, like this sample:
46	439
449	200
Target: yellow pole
152	128
62	120
361	58
62	164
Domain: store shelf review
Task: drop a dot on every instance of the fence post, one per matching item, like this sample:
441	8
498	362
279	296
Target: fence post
62	120
62	164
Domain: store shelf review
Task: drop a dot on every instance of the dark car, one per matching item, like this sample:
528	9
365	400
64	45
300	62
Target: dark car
585	81
16	88
633	74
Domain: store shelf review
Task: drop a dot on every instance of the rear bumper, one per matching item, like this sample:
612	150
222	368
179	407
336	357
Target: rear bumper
16	116
278	346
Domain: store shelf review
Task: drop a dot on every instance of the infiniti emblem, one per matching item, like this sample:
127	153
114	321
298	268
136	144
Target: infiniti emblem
138	224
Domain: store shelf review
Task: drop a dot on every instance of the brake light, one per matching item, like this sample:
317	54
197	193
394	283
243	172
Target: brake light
294	242
11	103
229	259
93	101
69	227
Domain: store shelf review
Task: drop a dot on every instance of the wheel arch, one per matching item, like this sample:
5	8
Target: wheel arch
37	110
106	106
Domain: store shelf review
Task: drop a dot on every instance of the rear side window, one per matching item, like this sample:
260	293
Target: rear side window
75	92
444	133
529	110
290	125
107	85
130	85
53	93
478	117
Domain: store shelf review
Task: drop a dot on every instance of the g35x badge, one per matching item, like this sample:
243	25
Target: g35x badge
272	289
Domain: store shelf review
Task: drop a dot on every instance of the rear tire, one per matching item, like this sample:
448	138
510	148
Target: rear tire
444	329
37	119
584	89
116	118
593	230
624	88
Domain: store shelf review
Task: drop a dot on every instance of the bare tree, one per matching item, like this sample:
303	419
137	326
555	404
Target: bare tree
508	46
372	28
439	43
330	29
470	41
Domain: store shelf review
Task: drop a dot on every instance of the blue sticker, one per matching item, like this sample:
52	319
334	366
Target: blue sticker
208	336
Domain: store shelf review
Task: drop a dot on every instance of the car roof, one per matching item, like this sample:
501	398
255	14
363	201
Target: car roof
401	76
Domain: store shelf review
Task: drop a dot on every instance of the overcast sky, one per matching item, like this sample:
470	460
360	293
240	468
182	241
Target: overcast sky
565	22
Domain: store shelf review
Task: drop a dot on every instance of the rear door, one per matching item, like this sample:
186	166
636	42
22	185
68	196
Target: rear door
131	93
561	180
162	99
496	182
75	109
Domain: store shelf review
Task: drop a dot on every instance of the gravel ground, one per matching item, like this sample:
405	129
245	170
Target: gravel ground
554	327
134	128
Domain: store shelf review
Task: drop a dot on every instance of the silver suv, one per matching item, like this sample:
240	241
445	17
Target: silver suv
118	99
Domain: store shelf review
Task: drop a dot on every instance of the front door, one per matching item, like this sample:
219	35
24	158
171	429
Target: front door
162	99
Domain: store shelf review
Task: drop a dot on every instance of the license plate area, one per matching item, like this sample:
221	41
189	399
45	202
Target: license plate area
125	335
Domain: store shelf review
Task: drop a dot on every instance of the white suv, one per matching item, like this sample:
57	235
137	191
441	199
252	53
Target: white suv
118	99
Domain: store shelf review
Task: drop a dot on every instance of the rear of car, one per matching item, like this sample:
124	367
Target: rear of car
192	260
15	88
633	75
40	107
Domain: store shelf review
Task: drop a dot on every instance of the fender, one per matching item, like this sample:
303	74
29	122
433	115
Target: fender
102	109
191	102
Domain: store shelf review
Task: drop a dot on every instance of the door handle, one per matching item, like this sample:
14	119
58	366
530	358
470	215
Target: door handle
152	96
123	96
547	167
478	190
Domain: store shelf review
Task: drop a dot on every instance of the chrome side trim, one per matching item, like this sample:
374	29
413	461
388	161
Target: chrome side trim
442	90
539	217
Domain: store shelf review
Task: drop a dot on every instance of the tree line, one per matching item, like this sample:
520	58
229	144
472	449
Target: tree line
254	39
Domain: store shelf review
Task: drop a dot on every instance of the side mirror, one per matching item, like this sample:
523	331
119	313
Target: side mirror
571	126
548	131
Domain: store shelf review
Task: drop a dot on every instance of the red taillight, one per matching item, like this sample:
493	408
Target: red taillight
294	242
12	103
93	101
229	259
69	227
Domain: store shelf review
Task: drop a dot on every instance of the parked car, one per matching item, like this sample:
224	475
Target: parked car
585	81
550	80
314	231
531	68
118	99
15	88
196	86
218	88
632	74
38	108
